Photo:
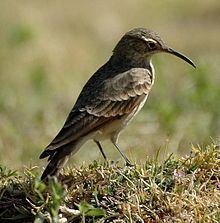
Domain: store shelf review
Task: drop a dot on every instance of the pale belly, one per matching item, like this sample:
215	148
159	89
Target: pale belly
112	130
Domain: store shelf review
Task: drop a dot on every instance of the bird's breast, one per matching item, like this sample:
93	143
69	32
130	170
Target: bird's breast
117	125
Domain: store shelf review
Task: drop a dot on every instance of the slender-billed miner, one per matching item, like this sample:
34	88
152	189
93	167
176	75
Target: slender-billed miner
110	99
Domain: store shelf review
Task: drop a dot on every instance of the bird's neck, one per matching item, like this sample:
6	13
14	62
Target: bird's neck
134	61
150	66
151	69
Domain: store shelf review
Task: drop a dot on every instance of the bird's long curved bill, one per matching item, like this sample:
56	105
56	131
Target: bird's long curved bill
181	56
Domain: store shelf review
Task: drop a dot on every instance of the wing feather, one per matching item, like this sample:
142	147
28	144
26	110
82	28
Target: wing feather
113	98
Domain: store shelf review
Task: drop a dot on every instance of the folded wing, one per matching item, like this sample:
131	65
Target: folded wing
109	100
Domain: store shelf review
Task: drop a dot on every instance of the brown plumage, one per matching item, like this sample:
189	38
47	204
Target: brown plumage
110	98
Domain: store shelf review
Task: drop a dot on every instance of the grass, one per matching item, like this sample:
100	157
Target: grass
48	52
176	190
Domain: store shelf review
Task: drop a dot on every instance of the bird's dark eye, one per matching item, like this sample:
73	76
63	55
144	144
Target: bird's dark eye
152	45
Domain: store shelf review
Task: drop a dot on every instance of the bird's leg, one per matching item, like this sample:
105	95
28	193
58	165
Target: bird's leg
128	162
101	149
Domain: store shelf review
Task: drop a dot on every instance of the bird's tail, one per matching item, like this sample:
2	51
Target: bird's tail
55	164
57	159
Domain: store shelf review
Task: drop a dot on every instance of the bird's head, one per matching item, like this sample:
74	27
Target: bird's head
140	43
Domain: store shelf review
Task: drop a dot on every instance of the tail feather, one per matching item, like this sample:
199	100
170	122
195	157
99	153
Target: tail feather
57	159
56	163
46	153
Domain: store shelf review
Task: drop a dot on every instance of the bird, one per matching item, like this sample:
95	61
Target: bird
110	99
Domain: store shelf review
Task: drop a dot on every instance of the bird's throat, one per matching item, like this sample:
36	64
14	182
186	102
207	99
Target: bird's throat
150	66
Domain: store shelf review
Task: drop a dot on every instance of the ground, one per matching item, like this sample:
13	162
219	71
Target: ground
177	190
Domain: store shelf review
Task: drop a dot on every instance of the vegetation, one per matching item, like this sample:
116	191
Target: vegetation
176	190
48	52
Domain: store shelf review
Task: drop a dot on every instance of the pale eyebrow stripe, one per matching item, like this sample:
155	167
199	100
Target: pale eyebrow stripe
148	39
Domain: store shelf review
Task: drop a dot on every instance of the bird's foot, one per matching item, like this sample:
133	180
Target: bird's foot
129	164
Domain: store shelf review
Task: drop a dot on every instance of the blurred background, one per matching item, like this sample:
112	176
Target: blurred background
49	49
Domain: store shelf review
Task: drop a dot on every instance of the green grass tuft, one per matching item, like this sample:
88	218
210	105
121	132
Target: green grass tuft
176	190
